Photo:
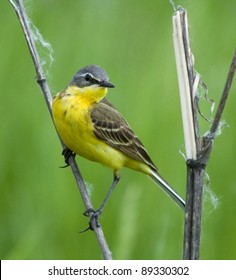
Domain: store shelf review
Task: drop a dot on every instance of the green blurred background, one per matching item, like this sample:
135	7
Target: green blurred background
40	205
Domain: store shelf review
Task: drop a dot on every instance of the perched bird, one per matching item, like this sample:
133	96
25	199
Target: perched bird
91	127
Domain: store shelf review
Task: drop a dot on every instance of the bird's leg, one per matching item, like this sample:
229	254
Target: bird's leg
67	153
97	213
114	183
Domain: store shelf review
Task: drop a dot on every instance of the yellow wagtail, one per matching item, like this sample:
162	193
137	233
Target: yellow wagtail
91	127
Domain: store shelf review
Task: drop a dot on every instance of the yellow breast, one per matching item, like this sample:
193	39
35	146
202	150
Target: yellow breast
71	114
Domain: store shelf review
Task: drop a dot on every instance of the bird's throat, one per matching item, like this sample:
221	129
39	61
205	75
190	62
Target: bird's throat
90	95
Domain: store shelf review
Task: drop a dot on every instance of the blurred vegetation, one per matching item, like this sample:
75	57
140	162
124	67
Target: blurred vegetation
40	206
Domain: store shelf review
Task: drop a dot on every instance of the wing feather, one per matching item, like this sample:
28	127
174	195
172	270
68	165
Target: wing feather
112	128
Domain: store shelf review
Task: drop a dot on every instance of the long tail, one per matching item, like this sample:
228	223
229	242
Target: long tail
168	189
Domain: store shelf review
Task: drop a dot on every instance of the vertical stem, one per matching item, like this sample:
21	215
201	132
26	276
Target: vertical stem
196	213
189	107
188	215
193	212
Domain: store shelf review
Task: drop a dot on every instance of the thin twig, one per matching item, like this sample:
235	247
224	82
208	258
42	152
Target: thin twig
41	79
225	94
208	139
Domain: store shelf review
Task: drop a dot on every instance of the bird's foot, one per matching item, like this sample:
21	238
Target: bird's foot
93	221
67	153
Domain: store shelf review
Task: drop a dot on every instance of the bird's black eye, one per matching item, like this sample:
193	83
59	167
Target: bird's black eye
88	77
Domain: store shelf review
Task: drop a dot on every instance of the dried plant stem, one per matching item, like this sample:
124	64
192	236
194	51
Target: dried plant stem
197	150
41	79
186	75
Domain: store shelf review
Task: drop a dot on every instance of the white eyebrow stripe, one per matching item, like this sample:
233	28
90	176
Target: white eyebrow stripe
87	73
91	75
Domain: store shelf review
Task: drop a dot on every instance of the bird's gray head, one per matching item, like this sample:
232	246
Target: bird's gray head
91	75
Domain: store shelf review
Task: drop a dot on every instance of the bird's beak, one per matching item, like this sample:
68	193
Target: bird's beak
106	84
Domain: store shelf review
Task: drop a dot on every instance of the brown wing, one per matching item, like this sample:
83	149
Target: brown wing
111	127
